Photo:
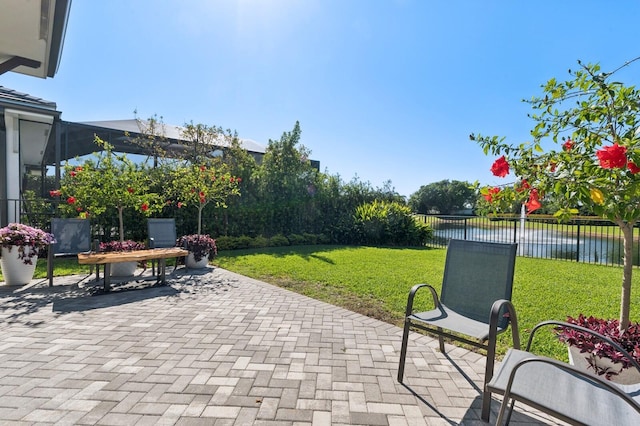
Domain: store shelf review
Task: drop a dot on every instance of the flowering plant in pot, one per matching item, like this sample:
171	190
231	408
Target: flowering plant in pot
126	245
123	269
596	351
199	246
24	237
19	244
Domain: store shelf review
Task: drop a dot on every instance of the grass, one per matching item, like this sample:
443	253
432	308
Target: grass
376	282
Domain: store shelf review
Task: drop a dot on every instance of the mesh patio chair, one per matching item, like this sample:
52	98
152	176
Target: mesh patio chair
563	391
72	236
162	234
474	305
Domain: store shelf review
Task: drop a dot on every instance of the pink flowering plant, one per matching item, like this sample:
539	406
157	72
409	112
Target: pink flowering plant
199	245
594	347
584	153
126	245
24	237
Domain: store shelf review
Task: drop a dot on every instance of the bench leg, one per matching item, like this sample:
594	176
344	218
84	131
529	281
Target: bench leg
162	266
107	277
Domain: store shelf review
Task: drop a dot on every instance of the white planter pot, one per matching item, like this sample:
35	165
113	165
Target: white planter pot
627	376
14	270
190	261
123	269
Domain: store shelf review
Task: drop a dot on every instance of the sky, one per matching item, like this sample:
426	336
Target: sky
384	90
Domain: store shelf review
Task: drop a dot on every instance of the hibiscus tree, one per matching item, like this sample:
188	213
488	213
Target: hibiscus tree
106	180
200	185
584	153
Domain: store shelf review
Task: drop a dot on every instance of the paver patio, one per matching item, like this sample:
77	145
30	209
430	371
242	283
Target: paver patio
218	348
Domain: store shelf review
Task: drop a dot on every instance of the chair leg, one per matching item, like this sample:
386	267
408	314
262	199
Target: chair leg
441	341
403	350
488	375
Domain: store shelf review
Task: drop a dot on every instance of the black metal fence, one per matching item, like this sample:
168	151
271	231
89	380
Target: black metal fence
589	240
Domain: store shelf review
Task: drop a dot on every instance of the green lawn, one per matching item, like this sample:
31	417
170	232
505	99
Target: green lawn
376	282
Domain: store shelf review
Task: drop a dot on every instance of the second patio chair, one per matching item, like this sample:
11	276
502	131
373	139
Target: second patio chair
162	234
474	304
72	236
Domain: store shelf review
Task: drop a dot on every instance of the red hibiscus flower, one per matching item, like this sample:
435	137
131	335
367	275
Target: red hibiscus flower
492	192
633	168
130	190
180	204
201	194
202	200
144	207
612	157
72	173
500	167
71	200
78	209
203	168
568	145
534	201
55	193
524	185
239	180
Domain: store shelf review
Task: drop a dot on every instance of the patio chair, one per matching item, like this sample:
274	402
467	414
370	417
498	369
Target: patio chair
162	234
563	391
72	236
474	305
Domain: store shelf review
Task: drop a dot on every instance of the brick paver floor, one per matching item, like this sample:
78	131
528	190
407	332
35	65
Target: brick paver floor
217	348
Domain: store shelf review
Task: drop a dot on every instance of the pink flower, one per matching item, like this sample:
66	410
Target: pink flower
55	193
71	200
568	145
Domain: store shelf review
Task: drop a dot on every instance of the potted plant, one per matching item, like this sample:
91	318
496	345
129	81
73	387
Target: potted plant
202	248
594	121
588	352
122	269
20	244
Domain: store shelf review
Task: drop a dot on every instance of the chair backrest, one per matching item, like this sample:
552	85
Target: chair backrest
161	232
72	236
476	274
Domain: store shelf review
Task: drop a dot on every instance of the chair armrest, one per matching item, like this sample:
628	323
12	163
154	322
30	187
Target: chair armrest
495	318
584	330
412	294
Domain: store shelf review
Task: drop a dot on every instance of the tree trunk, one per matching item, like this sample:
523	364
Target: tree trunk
199	219
121	230
625	298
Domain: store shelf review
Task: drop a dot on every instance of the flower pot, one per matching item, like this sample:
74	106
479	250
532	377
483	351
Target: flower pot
14	270
123	269
624	376
191	262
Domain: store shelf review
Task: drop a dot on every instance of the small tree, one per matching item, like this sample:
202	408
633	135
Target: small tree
200	185
107	180
594	120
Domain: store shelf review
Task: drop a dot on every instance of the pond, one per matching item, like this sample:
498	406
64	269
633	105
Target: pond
543	243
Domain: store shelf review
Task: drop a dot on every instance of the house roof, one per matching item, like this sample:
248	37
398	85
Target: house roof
136	126
10	97
32	35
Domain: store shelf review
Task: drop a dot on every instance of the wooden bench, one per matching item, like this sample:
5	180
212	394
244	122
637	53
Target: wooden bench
106	259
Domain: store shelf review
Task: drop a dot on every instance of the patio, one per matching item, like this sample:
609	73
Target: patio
217	348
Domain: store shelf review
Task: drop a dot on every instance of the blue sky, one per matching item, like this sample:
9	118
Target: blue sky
383	89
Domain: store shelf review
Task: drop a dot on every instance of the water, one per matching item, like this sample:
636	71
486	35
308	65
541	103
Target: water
543	243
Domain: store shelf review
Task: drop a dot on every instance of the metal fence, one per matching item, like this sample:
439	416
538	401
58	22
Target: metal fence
588	240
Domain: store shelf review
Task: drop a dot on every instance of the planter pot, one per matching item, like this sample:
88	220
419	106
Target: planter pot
190	261
123	269
626	376
14	270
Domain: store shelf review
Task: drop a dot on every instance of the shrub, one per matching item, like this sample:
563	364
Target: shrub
310	238
278	241
388	223
259	242
296	239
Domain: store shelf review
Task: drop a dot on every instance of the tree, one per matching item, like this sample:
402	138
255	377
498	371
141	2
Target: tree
593	122
444	197
200	185
104	181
